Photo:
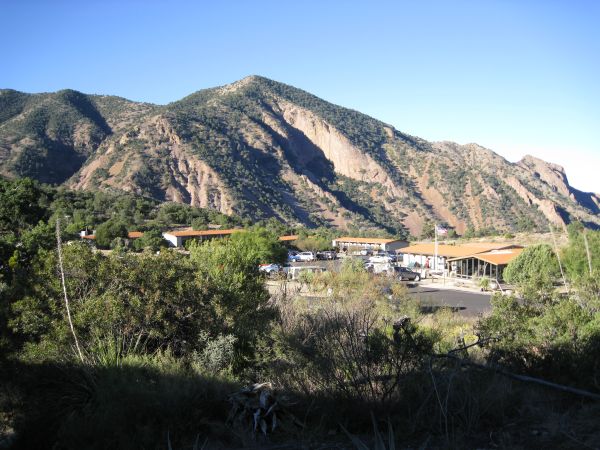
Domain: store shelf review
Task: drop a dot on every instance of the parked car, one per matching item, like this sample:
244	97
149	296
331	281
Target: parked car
306	256
393	256
406	274
383	269
293	257
380	258
327	254
270	269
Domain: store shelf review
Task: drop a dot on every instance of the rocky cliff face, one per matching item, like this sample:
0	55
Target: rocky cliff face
552	174
261	149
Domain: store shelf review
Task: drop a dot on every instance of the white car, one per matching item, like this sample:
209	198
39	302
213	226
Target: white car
270	269
380	259
306	256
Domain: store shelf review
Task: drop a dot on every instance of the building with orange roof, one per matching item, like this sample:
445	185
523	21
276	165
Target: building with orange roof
177	238
490	264
289	238
92	236
364	243
423	254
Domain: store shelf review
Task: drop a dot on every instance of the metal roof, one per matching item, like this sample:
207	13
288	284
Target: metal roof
495	257
192	233
291	237
454	251
361	240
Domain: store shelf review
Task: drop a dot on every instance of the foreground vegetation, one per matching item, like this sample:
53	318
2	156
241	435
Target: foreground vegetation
173	350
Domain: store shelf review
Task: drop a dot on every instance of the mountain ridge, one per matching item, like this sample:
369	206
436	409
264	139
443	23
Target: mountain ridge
260	148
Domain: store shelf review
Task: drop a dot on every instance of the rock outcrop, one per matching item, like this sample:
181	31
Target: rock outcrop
264	149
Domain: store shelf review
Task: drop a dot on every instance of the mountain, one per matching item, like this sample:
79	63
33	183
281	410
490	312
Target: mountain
260	148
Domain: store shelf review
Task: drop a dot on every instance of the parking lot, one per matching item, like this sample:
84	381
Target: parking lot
432	298
465	303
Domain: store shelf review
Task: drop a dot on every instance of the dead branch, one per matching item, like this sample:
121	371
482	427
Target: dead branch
64	286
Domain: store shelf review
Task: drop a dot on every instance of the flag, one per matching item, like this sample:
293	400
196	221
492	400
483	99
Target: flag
441	230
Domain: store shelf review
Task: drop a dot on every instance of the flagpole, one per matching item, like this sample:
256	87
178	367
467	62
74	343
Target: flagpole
435	248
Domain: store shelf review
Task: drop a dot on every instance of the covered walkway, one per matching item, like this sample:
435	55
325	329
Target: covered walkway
489	264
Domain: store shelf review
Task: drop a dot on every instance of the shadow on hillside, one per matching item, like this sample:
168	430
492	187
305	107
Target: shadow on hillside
585	199
70	407
63	406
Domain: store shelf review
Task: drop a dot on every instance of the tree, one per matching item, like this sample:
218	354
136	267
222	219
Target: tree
313	243
535	268
110	230
200	223
151	239
229	268
146	298
428	230
20	205
262	245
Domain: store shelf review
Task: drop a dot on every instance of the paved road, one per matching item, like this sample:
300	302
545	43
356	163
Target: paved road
465	303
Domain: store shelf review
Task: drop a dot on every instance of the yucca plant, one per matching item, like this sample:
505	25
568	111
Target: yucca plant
259	408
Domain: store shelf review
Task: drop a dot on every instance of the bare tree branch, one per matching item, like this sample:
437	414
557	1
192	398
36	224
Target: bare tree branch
64	286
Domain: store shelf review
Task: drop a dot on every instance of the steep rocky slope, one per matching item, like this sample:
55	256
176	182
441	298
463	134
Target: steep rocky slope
261	148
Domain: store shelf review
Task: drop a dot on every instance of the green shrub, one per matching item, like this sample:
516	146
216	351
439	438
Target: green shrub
536	268
152	240
110	230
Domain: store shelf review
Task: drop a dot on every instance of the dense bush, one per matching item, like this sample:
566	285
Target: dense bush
550	333
535	262
151	239
229	267
109	231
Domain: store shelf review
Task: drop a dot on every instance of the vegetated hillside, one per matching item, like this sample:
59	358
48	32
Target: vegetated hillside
260	148
50	136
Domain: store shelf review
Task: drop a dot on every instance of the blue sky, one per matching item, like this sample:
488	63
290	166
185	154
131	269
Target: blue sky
519	77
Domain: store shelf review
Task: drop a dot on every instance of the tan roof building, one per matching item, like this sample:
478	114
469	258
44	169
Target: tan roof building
386	244
496	257
177	237
453	251
490	264
423	254
130	235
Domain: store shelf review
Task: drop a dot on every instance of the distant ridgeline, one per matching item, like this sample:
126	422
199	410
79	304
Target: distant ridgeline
260	149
